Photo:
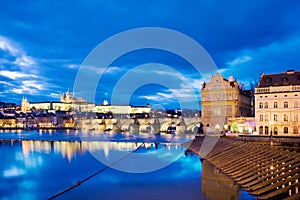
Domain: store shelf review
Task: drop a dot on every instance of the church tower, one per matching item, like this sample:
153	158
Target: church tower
25	105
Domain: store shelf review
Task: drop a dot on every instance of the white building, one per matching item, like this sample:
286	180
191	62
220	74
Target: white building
277	104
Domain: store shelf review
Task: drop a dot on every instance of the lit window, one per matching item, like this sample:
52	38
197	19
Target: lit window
261	118
261	129
296	118
275	130
296	104
285	118
295	130
275	104
266	130
266	105
266	118
285	104
275	117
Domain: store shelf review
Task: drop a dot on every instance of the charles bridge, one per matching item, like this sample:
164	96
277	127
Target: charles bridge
149	125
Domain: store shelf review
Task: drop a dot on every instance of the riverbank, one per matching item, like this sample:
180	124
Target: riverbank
262	170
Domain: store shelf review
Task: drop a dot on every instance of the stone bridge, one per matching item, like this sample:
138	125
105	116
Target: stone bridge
149	125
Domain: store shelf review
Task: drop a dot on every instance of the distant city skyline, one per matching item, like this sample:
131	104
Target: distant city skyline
43	44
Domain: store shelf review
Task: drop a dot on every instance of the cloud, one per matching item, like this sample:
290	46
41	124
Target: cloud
28	87
276	57
6	83
6	45
24	61
15	74
239	60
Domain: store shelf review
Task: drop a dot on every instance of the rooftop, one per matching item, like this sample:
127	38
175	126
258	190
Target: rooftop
281	79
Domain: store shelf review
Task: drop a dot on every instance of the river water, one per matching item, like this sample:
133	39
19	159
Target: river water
39	164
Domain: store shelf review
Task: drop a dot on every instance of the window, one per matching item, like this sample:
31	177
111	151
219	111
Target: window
266	105
295	130
285	104
296	104
285	130
285	118
275	104
266	118
285	80
260	105
296	118
266	130
261	118
268	79
261	128
275	130
275	117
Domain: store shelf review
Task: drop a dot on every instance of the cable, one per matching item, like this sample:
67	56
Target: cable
78	183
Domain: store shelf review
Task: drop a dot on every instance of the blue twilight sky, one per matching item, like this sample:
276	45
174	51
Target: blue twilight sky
44	43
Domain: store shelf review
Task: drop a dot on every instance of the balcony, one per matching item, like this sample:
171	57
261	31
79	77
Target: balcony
274	89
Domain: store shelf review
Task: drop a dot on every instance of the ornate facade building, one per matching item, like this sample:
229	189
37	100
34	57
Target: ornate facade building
277	99
222	99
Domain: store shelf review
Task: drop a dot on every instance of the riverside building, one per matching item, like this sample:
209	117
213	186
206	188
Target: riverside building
277	102
222	99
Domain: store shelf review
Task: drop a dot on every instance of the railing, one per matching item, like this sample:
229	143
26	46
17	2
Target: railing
271	89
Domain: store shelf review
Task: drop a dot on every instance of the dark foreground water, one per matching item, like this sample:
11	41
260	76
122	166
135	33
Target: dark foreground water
39	168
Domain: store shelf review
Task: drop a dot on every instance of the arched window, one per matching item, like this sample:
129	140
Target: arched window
275	117
261	129
295	130
275	131
285	130
260	105
285	104
296	104
266	130
275	104
266	105
285	118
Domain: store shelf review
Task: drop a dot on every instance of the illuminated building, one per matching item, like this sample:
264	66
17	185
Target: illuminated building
277	104
123	111
221	99
67	103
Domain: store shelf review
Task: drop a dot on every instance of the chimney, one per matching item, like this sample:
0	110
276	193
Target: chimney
290	71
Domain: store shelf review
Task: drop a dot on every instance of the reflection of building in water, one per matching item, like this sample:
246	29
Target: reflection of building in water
67	149
70	149
216	185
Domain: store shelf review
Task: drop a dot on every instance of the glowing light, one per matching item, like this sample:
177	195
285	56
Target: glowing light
13	172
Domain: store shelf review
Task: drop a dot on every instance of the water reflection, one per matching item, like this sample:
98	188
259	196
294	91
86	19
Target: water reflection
71	149
39	169
216	185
